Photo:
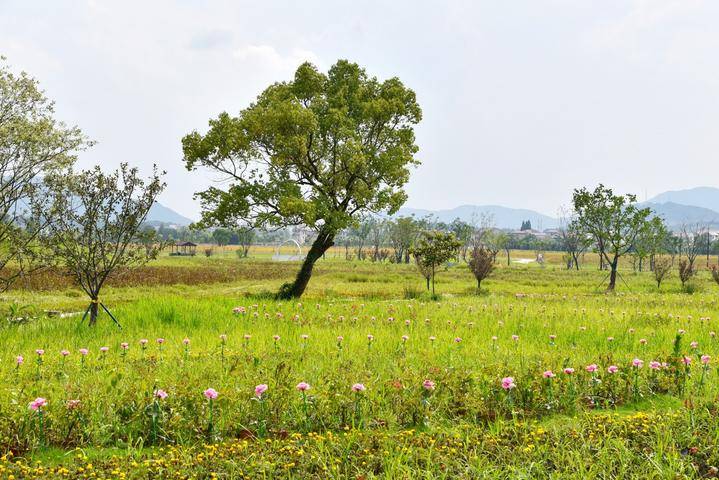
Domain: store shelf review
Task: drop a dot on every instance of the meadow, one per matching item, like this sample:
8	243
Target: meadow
540	375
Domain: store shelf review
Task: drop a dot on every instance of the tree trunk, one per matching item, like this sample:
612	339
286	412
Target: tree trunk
321	244
427	283
479	284
507	257
93	312
576	261
613	276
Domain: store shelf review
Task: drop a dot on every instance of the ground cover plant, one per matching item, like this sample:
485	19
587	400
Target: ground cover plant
527	379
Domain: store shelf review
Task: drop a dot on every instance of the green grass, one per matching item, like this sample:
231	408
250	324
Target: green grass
632	424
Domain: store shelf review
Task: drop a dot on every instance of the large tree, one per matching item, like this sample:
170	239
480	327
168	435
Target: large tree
320	150
32	144
613	221
96	225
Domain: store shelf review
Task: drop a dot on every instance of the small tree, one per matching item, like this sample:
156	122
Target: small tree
32	144
222	236
424	269
614	221
433	249
686	271
662	268
245	237
573	240
96	219
481	263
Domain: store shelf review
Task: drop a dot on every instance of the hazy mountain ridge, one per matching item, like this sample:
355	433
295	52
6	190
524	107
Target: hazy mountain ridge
504	217
159	213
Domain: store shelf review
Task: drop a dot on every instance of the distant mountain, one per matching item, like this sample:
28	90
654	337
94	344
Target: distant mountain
504	217
675	215
162	214
705	197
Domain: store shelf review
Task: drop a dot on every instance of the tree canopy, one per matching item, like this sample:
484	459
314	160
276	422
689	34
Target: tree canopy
319	151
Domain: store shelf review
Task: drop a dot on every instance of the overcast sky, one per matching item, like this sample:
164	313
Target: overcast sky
522	100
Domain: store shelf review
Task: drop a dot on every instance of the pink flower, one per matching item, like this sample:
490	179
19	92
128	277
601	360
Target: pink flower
552	337
223	338
73	404
643	341
37	404
687	361
610	339
637	363
706	359
160	394
104	349
428	385
143	342
548	374
19	360
457	339
569	370
276	338
210	394
40	352
592	368
358	387
494	338
247	336
612	369
508	383
654	365
712	334
304	336
303	386
124	345
260	389
185	341
370	337
694	345
160	341
84	351
340	338
64	353
404	338
432	338
515	338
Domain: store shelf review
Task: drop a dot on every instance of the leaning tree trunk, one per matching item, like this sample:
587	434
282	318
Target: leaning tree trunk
322	243
613	276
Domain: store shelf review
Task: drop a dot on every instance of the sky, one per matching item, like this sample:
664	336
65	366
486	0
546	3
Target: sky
522	100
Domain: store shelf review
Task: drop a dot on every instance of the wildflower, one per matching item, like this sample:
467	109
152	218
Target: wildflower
457	339
340	338
160	394
643	341
405	338
223	338
37	404
185	341
687	361
73	404
681	331
104	349
84	352
592	368
370	337
260	390
548	374
210	394
515	338
19	360
494	338
706	359
143	343
358	387
654	365
303	386
276	338
160	341
637	363
508	383
428	385
124	345
432	338
694	345
610	339
612	369
569	370
247	336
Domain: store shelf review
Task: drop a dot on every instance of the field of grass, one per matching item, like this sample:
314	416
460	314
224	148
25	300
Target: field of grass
435	399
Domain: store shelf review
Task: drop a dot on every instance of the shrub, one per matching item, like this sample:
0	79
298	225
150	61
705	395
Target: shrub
481	263
715	273
662	268
686	272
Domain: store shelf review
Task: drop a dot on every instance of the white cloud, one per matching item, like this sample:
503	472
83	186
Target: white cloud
268	57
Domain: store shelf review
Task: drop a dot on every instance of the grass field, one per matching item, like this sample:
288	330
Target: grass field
436	400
